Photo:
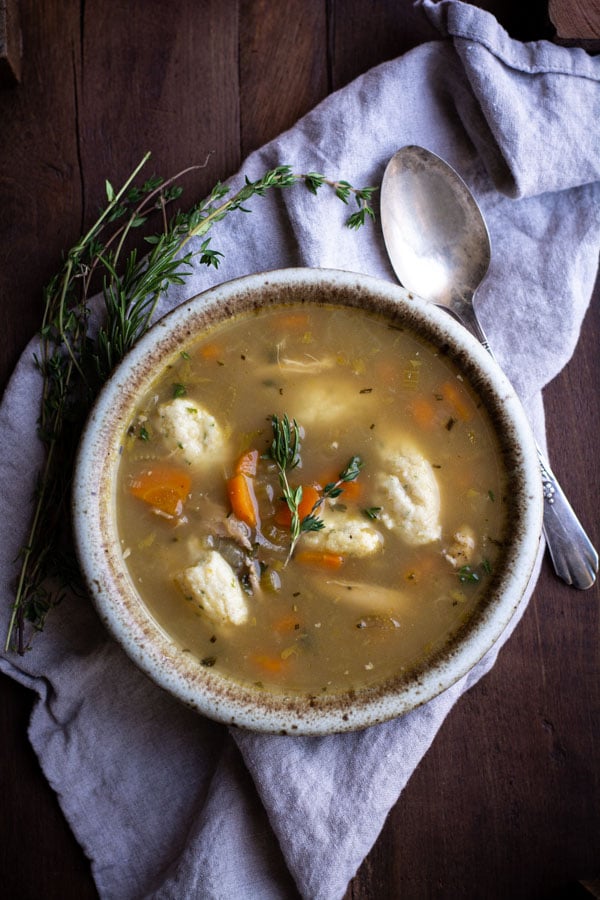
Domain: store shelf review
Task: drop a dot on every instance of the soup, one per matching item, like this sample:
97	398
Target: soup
311	500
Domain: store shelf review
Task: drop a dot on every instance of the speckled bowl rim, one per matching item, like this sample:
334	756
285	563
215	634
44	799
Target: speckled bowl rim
100	554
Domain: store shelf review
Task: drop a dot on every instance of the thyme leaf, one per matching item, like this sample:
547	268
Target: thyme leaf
467	574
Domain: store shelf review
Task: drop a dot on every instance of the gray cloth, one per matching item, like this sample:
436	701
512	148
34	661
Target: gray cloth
170	805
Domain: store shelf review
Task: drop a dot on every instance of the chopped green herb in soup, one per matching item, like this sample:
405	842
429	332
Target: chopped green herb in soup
310	500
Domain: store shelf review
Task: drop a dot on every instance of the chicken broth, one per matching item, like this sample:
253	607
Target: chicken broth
382	556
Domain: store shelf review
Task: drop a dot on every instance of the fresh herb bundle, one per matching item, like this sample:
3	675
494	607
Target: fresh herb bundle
285	452
74	362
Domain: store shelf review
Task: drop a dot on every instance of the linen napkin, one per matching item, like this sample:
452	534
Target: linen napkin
165	803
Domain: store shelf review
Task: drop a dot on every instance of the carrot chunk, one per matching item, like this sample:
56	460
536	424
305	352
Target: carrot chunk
240	489
319	558
164	488
310	496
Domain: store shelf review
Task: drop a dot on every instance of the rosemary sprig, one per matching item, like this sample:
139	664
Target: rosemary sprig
73	363
285	452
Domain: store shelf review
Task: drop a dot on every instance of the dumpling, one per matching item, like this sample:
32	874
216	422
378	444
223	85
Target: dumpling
188	430
409	496
345	534
212	584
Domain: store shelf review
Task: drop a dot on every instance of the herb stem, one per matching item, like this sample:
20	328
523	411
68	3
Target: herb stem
112	203
26	552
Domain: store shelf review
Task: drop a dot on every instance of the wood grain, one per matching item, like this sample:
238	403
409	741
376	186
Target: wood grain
577	20
278	61
177	97
507	801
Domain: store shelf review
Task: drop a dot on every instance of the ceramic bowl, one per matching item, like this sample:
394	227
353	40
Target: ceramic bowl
121	608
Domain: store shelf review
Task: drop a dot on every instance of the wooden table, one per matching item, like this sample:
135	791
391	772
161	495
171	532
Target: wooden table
507	801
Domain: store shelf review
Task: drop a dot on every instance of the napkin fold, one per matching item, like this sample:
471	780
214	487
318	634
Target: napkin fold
165	803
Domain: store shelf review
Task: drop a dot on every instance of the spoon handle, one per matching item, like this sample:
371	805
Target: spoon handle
573	556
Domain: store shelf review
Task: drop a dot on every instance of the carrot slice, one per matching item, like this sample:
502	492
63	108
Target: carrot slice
310	496
283	515
423	412
423	570
291	622
293	322
271	664
240	489
458	400
211	351
351	490
164	488
320	558
247	464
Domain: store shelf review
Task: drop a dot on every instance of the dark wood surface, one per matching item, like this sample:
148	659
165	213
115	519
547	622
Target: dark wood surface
10	42
506	804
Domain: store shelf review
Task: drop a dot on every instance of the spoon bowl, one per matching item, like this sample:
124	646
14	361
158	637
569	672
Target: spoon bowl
441	250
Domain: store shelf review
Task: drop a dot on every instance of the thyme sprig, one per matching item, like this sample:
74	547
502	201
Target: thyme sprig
285	452
74	358
343	191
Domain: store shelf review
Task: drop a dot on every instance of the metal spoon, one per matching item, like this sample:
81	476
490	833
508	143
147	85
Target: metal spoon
439	247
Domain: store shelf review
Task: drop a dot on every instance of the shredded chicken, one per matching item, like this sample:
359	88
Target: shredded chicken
239	531
367	598
460	552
